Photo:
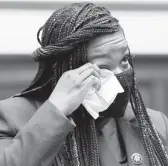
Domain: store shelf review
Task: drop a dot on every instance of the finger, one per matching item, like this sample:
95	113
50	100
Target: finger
97	68
90	82
87	66
87	73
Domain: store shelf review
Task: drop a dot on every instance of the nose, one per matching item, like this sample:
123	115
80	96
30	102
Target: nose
117	70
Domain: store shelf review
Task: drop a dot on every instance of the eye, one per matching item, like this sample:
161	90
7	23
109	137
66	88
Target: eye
104	67
124	62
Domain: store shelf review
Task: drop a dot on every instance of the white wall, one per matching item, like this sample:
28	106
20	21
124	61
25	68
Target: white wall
146	31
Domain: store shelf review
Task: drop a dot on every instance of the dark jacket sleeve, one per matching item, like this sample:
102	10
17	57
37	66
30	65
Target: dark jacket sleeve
38	141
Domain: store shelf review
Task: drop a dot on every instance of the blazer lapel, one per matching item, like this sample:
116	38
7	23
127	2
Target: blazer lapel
109	148
133	143
130	130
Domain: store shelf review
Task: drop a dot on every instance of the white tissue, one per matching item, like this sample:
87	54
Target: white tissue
98	101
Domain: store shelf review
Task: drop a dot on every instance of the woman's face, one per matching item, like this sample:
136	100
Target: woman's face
110	52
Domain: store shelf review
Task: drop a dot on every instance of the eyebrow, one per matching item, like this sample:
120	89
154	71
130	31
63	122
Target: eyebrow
128	53
99	55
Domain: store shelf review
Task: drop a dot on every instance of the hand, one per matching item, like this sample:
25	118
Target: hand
73	86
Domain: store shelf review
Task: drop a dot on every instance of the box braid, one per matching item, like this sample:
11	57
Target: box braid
64	47
152	143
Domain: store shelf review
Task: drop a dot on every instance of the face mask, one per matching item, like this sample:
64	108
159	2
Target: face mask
98	101
118	107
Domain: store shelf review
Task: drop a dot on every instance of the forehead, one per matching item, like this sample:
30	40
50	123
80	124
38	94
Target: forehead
103	39
114	43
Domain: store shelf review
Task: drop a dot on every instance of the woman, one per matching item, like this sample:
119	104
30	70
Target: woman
46	123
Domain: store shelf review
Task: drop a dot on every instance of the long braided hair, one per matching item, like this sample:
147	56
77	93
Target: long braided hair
64	47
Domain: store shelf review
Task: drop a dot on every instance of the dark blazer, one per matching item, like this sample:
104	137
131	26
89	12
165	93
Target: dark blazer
31	133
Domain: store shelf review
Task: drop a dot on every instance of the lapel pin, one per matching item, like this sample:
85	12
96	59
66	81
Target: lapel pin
136	158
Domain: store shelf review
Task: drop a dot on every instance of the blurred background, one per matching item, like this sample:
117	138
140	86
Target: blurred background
145	24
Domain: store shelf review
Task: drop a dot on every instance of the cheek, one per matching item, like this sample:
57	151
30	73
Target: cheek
121	68
117	70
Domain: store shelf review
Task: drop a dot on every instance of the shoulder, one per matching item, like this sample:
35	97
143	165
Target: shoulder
16	112
158	118
160	121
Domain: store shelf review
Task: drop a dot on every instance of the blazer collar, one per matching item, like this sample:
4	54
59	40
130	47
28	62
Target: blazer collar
107	130
129	116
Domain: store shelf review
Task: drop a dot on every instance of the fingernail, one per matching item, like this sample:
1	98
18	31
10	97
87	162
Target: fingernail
97	67
99	86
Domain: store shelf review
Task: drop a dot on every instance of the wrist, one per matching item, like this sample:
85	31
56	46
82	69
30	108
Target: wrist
59	106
